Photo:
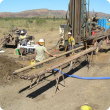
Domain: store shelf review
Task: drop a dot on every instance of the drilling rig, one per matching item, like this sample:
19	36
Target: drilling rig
89	38
84	30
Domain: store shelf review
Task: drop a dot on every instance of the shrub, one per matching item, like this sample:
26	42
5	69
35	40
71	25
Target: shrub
26	24
30	20
40	21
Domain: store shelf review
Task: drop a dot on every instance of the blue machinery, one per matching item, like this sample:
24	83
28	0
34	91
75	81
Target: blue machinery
104	23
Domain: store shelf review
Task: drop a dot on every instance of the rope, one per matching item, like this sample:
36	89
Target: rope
84	78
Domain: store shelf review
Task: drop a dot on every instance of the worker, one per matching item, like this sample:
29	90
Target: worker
95	19
40	53
22	36
22	39
71	41
95	26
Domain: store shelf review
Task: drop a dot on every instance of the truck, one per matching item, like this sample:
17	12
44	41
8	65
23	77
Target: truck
12	39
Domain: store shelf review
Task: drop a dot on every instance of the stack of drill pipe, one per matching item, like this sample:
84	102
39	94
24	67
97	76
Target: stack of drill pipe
98	36
57	64
49	59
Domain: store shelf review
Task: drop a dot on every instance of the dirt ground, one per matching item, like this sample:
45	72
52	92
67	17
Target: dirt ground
14	93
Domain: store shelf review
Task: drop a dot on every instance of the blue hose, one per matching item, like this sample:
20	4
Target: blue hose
84	78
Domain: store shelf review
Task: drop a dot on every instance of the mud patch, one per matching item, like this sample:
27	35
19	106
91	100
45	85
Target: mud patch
7	66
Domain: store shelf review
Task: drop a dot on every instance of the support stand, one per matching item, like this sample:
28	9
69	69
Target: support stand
57	76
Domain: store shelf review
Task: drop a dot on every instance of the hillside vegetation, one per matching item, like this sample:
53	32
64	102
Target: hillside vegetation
37	27
35	13
44	13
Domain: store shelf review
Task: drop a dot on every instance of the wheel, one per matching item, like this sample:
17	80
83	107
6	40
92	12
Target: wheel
61	47
97	49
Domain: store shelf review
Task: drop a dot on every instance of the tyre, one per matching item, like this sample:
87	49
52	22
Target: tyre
61	48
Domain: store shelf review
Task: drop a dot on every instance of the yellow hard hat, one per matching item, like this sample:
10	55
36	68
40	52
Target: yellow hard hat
86	107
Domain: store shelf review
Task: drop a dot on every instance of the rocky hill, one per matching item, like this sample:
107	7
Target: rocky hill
100	14
45	13
36	13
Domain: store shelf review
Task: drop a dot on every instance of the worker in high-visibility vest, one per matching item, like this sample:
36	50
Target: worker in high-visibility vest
22	36
22	39
71	41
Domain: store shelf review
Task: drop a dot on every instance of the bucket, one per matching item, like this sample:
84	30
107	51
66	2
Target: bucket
86	107
17	51
93	32
31	63
54	50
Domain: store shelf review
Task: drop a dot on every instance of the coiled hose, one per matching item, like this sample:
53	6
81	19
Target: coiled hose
84	78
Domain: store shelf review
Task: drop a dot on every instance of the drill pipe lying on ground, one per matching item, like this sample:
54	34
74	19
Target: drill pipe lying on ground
57	64
36	64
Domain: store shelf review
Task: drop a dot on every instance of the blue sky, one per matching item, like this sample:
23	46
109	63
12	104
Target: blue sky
22	5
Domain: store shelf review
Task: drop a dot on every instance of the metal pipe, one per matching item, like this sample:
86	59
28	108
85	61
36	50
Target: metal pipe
88	7
59	63
73	18
97	37
36	64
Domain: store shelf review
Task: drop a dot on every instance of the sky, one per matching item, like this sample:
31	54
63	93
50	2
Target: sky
22	5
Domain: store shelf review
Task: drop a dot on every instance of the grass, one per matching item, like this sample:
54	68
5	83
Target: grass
32	24
47	28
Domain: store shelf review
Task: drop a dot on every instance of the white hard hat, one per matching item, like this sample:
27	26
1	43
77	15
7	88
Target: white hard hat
41	40
69	33
22	32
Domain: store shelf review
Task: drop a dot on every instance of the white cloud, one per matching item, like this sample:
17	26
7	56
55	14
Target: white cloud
108	1
1	1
